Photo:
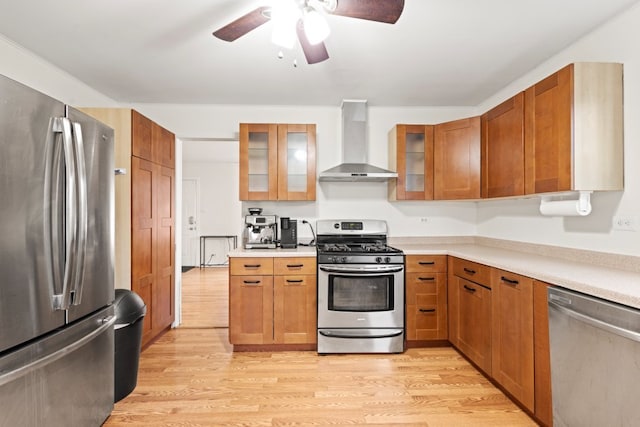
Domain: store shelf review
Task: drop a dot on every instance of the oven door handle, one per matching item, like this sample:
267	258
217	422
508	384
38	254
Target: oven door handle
361	334
362	270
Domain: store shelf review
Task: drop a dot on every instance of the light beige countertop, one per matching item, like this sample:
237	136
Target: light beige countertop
612	277
608	276
300	251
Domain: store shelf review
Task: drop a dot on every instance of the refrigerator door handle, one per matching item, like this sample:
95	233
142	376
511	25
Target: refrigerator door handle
7	377
81	225
61	125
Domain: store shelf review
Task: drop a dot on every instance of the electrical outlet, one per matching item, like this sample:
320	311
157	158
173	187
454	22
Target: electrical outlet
424	219
626	223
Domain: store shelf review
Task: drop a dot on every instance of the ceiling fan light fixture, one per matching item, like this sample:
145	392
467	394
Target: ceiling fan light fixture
283	35
315	26
284	16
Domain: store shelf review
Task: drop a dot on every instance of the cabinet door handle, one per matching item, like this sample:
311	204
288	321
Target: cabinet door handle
427	310
252	265
294	281
469	271
295	265
427	279
426	262
251	282
509	281
469	288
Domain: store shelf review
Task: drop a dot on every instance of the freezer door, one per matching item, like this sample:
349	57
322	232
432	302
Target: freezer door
65	379
26	267
92	260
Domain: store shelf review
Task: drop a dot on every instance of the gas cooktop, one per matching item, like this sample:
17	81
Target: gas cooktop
358	248
355	242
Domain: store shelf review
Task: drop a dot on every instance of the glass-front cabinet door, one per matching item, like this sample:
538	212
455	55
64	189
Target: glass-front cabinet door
258	161
277	161
412	152
296	162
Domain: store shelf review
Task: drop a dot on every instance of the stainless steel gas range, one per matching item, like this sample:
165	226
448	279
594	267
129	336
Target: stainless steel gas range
360	288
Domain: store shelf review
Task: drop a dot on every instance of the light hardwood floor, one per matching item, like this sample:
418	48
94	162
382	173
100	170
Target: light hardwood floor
205	298
191	377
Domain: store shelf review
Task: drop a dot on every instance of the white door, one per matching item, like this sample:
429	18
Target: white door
190	248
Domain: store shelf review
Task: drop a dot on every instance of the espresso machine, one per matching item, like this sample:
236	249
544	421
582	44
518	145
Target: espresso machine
261	231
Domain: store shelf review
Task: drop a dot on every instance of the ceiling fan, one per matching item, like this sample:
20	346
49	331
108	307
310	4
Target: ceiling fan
303	20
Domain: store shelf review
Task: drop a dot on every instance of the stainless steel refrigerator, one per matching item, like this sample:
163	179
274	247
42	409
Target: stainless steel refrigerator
56	262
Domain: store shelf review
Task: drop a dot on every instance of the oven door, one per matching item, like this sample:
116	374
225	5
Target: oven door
360	296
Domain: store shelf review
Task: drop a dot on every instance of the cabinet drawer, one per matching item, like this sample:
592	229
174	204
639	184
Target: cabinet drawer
424	284
418	263
501	277
302	280
255	281
301	265
472	271
250	266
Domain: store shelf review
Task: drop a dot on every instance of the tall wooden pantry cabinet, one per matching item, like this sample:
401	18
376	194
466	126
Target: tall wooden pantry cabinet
145	214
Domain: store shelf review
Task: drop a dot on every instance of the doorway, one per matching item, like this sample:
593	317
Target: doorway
210	207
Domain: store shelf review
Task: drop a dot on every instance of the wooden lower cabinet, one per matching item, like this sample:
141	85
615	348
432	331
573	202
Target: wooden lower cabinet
294	309
426	298
542	362
251	309
499	320
472	318
272	301
512	343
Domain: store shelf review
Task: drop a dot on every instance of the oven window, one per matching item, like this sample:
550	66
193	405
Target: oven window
348	293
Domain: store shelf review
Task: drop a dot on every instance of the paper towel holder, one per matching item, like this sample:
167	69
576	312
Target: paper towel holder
573	207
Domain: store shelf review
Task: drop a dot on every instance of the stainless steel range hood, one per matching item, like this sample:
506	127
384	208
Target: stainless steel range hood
355	149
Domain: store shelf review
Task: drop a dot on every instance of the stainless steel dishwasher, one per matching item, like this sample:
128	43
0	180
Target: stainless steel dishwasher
595	361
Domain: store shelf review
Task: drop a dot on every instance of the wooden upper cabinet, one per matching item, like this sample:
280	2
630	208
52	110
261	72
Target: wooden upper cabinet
151	141
296	162
163	146
457	159
141	136
277	162
411	156
574	130
502	143
258	161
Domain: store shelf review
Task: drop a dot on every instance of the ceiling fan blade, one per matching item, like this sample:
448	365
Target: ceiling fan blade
242	25
313	52
387	11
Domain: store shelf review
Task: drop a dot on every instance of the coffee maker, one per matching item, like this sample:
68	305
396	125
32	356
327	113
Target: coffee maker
261	231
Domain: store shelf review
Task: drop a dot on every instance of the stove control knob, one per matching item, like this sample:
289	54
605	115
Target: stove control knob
387	260
378	260
343	259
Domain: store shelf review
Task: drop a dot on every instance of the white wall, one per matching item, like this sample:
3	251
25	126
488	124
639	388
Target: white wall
510	219
219	207
616	41
334	200
21	65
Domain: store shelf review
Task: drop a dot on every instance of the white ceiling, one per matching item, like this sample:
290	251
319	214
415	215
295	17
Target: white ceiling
440	52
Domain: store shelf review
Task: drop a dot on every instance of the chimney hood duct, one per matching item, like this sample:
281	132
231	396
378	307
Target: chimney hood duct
355	149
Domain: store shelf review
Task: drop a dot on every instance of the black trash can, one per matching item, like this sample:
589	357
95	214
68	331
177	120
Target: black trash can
129	310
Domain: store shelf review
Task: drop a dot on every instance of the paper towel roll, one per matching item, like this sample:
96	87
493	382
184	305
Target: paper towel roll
565	208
